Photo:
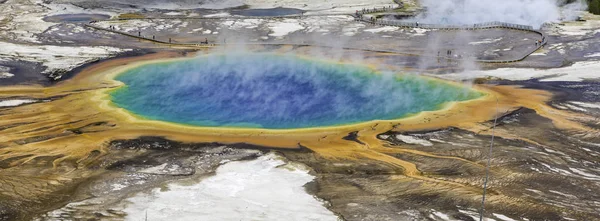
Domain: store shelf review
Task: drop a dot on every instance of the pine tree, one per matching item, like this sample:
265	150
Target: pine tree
595	7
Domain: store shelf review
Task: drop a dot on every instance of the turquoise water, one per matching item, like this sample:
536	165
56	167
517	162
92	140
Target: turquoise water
276	91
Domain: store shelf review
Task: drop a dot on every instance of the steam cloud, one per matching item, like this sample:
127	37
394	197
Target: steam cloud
525	12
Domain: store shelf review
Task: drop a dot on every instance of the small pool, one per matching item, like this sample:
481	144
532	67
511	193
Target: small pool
264	90
75	18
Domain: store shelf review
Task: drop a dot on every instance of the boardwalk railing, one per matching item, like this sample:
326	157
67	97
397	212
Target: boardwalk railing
486	25
142	37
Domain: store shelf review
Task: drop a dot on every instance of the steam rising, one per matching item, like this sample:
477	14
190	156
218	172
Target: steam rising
525	12
275	91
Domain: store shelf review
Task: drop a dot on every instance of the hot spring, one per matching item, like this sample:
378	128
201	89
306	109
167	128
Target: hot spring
274	91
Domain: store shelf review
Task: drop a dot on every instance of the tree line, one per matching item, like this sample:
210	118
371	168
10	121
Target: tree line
594	6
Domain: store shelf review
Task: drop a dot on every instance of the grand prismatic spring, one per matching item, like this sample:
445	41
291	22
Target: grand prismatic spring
436	110
276	92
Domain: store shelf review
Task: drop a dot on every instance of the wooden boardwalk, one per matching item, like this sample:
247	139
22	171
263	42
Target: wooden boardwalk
361	16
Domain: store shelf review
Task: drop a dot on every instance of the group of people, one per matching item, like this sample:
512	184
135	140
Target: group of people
448	53
111	27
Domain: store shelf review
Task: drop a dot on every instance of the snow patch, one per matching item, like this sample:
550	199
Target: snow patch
587	105
557	170
572	107
117	186
579	71
587	176
597	54
419	31
440	215
4	72
173	13
263	189
503	217
195	30
384	136
14	103
562	194
539	54
474	215
382	29
285	27
4	75
535	191
437	140
413	140
56	57
486	41
553	151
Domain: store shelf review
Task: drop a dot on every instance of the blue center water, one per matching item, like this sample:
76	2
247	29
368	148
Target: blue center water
276	91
